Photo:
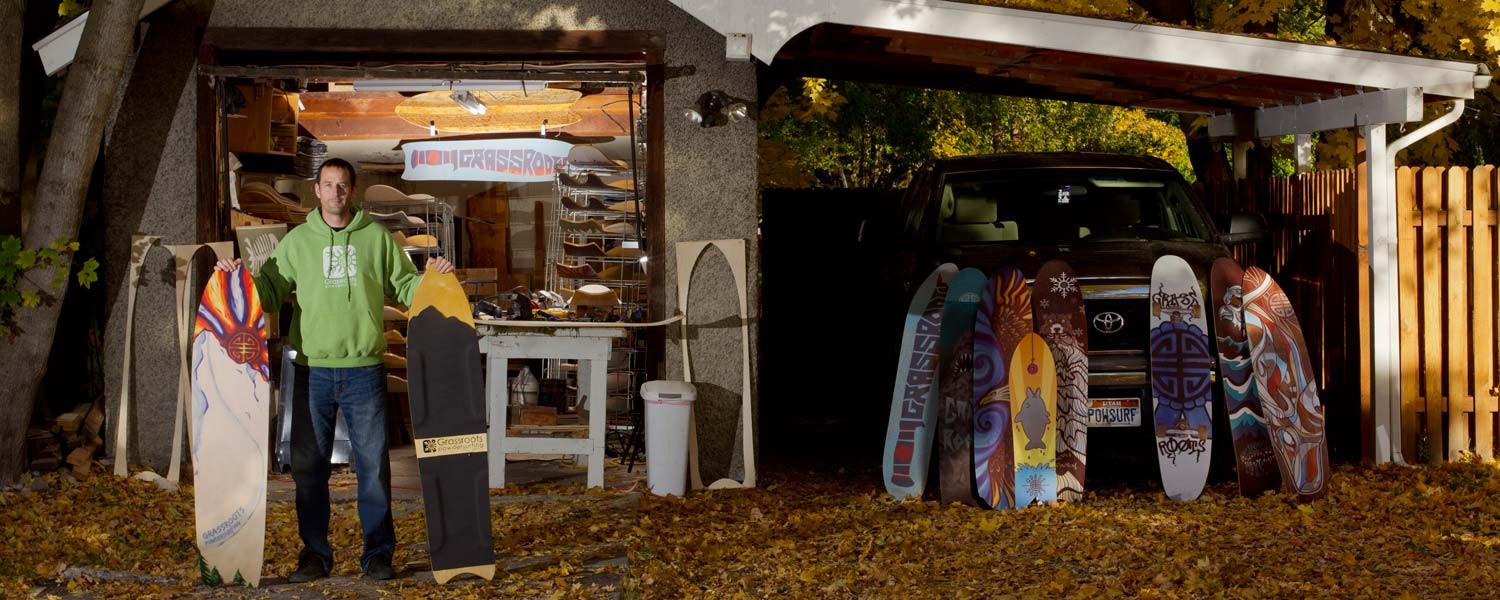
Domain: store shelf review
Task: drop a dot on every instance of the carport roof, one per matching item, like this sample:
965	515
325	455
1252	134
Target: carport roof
954	45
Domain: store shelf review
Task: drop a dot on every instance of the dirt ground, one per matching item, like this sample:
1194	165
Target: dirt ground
1426	532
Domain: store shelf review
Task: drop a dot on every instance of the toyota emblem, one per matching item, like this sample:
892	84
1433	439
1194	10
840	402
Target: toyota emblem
1108	322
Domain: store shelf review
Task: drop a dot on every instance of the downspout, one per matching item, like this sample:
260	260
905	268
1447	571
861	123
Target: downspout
1386	300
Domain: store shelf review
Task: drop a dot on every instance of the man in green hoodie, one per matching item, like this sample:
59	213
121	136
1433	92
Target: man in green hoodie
343	266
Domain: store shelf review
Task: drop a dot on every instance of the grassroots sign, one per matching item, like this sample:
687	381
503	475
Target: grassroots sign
485	160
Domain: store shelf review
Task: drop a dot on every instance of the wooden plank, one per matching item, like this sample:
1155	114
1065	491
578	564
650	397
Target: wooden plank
1457	271
1361	245
1407	252
1484	303
1407	221
212	208
1431	189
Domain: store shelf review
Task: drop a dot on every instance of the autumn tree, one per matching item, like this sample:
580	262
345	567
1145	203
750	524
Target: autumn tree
850	134
92	81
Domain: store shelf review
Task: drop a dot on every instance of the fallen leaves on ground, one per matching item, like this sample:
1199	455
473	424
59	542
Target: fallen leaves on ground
1381	532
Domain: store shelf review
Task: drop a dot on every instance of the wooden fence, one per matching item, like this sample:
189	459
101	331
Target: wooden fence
1316	224
1447	252
1447	258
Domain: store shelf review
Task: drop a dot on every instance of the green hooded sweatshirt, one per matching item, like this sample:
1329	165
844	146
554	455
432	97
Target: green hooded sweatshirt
342	279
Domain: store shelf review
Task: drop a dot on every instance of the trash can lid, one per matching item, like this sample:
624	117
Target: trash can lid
679	391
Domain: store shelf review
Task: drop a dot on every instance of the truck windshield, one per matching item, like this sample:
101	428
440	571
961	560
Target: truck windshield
1030	208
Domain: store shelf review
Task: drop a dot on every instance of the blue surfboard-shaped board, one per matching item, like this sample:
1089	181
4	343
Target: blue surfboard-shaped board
914	411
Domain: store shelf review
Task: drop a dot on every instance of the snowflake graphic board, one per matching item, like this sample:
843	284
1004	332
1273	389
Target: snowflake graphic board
1061	320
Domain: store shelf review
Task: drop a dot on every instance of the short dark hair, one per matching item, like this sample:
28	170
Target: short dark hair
337	163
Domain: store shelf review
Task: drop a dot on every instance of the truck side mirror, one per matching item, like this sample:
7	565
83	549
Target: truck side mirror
1244	227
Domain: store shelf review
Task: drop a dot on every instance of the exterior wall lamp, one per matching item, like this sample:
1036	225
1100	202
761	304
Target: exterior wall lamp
715	108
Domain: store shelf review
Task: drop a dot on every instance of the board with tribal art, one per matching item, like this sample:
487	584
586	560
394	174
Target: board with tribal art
1286	386
1181	361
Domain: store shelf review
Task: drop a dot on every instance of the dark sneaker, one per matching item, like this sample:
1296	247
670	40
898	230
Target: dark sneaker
379	567
309	568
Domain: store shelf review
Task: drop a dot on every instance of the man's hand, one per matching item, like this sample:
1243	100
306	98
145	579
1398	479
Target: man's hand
440	265
228	264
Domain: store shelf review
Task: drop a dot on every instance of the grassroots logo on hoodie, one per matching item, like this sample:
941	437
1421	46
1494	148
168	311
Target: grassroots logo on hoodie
339	266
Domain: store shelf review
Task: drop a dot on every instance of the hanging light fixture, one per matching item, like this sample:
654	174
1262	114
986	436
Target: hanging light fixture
469	102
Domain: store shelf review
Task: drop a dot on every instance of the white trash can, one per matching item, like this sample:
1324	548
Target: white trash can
669	405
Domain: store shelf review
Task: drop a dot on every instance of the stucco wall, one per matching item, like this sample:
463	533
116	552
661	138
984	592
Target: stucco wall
709	180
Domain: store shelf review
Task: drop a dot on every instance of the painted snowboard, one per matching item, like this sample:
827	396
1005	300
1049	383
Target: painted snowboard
230	426
1181	360
1033	376
449	426
908	438
1286	386
1254	462
956	388
1061	320
1004	318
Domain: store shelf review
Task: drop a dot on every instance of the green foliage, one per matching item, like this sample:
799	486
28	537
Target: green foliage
209	575
850	134
17	262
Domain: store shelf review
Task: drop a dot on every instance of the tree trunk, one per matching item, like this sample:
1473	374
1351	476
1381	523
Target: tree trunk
93	80
10	104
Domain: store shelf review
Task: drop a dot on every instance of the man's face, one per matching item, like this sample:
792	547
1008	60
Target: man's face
333	191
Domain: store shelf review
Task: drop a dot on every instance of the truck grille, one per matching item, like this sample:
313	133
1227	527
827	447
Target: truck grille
1118	324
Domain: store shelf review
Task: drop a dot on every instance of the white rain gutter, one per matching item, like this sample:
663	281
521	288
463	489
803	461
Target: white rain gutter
1385	312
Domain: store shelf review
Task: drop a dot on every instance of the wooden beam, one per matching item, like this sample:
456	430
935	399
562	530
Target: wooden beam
268	46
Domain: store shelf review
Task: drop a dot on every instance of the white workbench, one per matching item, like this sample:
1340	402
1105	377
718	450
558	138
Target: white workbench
589	344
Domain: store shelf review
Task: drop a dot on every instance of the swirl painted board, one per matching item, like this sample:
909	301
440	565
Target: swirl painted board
956	388
908	437
1181	360
1004	317
230	426
449	427
1033	376
1254	463
1060	319
1286	386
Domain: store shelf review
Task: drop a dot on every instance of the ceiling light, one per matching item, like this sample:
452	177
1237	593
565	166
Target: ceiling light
434	85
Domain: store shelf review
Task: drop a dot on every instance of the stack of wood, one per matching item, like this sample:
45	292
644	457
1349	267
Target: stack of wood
74	435
43	450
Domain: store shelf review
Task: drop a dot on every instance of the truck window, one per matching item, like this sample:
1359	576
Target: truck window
1063	208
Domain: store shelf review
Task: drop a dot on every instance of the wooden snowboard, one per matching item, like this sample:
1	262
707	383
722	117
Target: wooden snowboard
230	426
1286	386
1005	317
449	426
908	438
1255	464
1060	319
1181	360
1033	376
956	388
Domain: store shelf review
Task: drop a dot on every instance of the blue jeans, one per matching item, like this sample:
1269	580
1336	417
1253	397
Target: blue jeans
360	393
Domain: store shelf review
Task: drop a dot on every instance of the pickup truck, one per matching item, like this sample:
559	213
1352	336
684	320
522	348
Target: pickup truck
1110	217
